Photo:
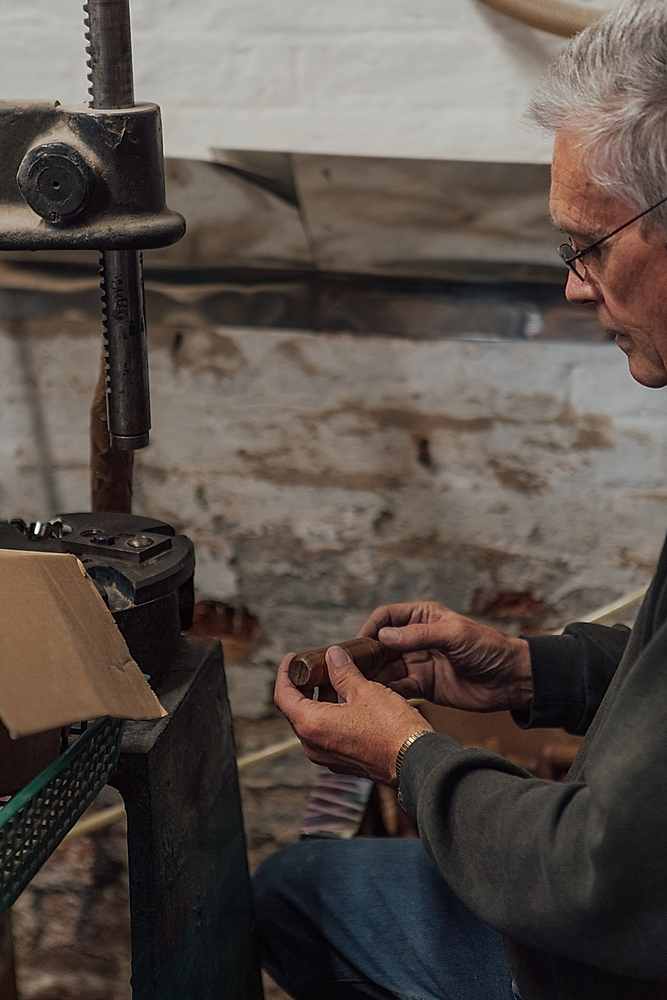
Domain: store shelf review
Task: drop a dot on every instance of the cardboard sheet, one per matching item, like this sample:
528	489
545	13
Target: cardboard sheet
62	657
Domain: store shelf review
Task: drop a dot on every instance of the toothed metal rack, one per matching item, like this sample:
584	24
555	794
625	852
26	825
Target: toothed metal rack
74	178
109	62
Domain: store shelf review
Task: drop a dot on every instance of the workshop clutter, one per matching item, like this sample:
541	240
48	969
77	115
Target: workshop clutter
62	660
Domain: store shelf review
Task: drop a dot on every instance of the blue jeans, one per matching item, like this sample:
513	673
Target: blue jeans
372	918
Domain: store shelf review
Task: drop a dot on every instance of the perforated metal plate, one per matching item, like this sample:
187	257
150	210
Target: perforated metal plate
37	818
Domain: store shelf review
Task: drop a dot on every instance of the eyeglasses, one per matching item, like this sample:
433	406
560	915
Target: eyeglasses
571	256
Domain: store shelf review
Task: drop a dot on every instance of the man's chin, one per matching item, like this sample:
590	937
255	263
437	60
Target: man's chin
645	373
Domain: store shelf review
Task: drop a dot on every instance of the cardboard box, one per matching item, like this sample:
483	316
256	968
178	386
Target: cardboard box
62	659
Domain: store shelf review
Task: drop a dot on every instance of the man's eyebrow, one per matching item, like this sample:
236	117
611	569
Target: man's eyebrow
583	235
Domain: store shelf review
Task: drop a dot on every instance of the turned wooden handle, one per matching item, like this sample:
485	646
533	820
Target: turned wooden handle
308	670
558	17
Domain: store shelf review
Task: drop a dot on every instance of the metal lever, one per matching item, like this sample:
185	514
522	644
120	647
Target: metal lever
109	50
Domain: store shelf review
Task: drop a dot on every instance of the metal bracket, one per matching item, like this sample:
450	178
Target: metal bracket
77	178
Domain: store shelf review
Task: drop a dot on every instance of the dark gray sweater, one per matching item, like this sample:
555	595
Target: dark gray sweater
573	873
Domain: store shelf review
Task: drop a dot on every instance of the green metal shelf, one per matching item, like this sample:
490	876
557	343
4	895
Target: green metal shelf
36	819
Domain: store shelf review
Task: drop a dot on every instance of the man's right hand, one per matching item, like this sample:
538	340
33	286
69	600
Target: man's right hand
451	660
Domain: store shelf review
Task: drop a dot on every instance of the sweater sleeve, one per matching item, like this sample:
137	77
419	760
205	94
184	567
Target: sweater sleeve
577	869
571	673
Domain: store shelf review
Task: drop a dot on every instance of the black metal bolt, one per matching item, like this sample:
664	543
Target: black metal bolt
56	181
140	542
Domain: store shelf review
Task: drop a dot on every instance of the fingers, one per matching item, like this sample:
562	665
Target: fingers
303	714
371	626
301	711
344	674
387	614
397	615
423	636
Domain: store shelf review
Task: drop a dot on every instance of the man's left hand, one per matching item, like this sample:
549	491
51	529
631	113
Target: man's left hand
360	735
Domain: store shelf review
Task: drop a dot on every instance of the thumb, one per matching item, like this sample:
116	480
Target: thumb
343	671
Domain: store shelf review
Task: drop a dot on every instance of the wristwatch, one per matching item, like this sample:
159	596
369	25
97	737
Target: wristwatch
400	759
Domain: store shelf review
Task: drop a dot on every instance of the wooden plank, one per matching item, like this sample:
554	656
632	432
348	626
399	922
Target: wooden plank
232	219
314	302
411	217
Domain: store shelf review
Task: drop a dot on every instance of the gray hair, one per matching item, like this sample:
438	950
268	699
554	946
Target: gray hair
609	88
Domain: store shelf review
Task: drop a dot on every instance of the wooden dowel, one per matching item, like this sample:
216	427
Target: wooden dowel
558	17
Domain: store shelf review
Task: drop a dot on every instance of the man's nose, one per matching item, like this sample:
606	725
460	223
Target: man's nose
580	291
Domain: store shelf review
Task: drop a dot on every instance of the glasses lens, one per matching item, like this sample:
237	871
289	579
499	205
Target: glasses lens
567	254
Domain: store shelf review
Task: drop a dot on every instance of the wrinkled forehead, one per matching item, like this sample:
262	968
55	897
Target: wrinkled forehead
578	205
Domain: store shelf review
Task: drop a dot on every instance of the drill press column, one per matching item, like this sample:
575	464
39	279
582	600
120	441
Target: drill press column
126	356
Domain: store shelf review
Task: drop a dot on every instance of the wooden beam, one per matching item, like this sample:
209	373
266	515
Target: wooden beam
414	218
557	18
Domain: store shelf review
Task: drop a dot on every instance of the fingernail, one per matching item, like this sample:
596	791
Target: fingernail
337	657
390	634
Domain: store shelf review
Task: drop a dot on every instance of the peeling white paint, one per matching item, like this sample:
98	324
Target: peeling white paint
423	78
305	495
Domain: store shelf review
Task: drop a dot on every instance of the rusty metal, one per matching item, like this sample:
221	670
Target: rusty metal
148	589
55	181
110	75
111	479
74	179
109	51
79	179
125	349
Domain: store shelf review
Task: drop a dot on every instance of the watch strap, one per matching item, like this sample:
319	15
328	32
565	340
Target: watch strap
401	755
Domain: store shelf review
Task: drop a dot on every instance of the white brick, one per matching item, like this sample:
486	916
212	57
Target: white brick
293	461
390	77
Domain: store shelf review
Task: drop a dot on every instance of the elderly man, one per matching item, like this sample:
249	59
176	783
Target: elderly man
518	886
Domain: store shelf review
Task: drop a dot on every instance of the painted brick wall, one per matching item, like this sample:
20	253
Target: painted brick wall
426	78
320	475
